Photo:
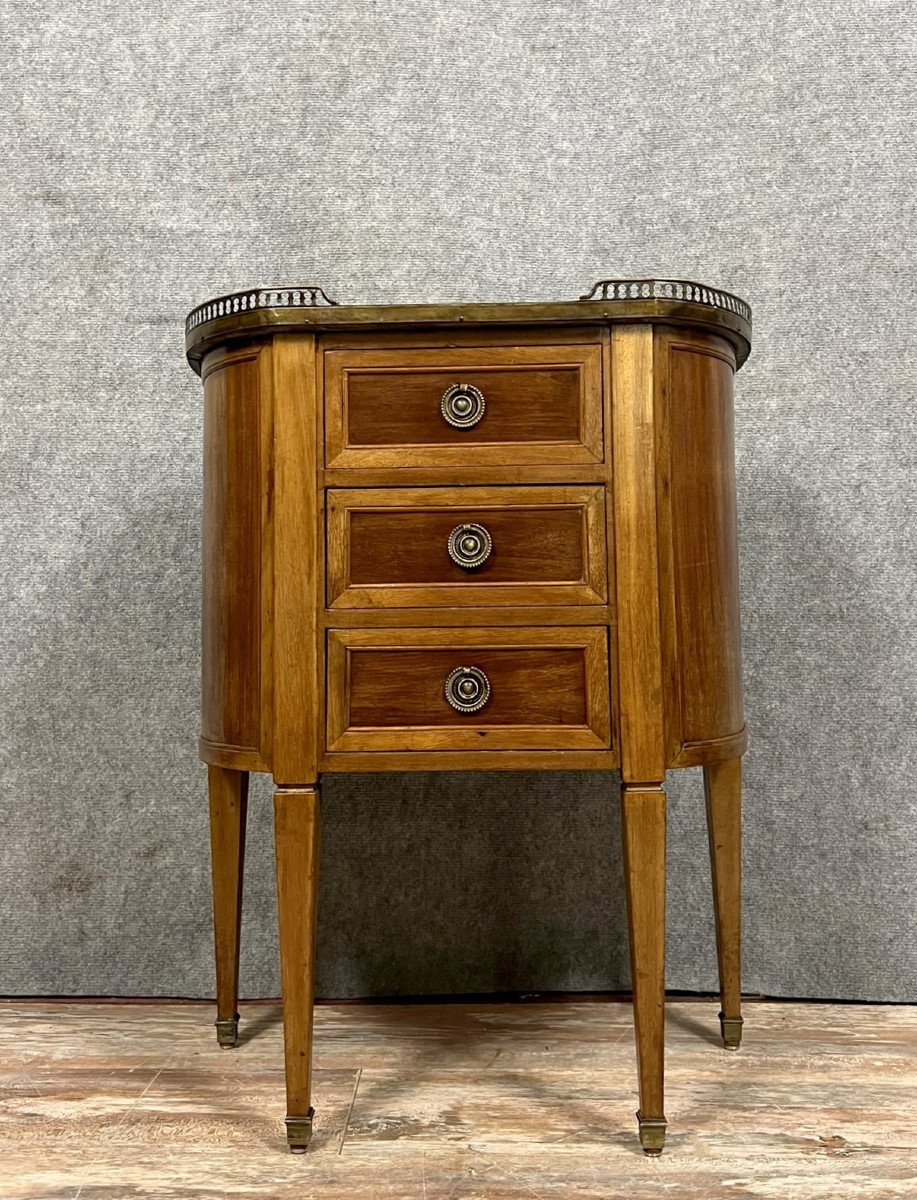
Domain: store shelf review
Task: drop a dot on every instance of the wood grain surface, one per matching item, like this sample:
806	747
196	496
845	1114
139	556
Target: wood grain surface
298	521
704	540
542	404
638	651
388	547
231	551
458	1101
228	792
643	832
723	798
296	840
549	689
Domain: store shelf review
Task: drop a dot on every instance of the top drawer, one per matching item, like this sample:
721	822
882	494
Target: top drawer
463	406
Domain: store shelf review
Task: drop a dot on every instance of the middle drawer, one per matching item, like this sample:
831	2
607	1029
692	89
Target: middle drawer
451	546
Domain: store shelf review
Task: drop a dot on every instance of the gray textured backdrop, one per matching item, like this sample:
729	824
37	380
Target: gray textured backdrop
156	154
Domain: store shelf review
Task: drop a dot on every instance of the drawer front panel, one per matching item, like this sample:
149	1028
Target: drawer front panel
535	689
541	404
393	547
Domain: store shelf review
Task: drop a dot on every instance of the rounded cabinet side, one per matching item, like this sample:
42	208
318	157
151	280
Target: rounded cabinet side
698	547
235	727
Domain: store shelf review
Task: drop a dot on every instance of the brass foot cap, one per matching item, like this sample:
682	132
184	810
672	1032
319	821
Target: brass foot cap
652	1133
731	1029
299	1131
228	1031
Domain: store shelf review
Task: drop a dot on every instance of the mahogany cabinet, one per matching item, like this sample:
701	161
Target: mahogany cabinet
475	537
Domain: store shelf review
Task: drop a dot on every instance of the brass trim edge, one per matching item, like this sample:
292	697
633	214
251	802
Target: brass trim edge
304	296
669	289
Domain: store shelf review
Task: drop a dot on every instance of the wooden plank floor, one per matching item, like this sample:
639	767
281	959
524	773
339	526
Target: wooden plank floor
427	1102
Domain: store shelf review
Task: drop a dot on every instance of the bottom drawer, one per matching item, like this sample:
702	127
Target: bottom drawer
468	689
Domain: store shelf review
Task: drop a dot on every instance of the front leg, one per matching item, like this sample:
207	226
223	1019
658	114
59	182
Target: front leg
296	832
643	812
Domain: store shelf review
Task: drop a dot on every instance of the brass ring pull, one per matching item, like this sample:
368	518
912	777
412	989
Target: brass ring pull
467	689
462	405
469	546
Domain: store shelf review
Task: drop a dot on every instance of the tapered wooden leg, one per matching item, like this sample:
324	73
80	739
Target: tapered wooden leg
723	791
228	807
643	826
296	830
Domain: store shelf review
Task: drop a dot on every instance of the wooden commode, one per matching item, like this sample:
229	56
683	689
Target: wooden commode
471	537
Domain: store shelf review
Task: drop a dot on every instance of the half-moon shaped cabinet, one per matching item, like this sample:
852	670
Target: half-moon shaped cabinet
471	537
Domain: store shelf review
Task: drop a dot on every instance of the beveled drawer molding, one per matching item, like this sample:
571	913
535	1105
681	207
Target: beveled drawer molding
396	407
549	689
390	547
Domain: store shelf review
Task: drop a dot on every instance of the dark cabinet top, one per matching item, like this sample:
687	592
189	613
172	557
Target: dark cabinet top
263	310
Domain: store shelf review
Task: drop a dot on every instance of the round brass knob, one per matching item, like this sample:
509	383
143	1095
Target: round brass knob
469	546
462	405
467	689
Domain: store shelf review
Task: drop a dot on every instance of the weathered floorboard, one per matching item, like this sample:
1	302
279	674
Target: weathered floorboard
429	1101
